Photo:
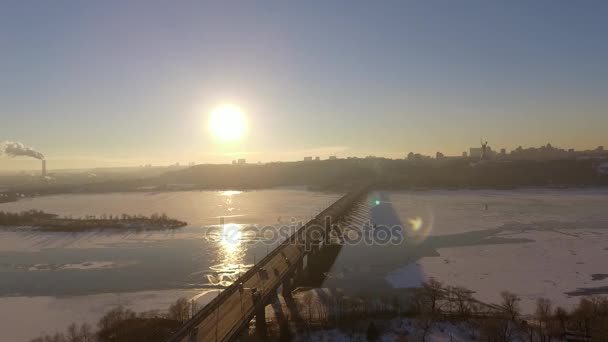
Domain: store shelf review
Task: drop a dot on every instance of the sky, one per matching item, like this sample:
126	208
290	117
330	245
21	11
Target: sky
120	83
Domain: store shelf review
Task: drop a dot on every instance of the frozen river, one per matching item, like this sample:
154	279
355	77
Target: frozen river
80	276
534	242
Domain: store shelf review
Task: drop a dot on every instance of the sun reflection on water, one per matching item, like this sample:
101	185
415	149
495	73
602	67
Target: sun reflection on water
231	253
230	193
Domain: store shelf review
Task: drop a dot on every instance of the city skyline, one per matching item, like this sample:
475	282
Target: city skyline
530	152
125	83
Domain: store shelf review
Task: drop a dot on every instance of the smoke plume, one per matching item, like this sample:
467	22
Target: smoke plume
17	149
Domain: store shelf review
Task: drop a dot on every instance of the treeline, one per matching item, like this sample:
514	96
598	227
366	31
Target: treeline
125	325
341	174
429	305
461	173
319	174
434	303
387	173
24	217
51	222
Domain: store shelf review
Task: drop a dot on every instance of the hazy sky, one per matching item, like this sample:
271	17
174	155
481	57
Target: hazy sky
130	82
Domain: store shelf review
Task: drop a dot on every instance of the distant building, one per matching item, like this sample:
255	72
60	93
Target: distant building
475	152
317	158
503	152
333	157
465	154
439	155
242	161
307	158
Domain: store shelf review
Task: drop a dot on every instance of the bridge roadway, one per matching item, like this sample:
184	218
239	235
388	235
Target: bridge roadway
229	313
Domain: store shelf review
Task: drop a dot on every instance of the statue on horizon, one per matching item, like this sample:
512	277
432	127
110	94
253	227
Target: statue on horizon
484	148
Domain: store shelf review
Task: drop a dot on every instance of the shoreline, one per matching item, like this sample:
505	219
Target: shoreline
322	190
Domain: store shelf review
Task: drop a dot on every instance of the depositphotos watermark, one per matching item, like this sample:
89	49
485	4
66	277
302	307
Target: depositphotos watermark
314	232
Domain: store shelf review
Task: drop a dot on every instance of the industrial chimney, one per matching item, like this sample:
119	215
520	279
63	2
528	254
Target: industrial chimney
43	168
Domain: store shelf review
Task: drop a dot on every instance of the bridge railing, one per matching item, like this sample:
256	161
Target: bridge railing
335	211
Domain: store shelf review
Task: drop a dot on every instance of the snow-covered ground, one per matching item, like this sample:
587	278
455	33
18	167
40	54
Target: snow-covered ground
459	211
555	263
403	329
560	240
533	242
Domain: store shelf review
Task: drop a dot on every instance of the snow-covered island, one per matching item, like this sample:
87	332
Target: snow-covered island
40	220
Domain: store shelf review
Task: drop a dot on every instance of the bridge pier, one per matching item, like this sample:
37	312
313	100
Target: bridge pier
260	321
298	274
287	287
284	333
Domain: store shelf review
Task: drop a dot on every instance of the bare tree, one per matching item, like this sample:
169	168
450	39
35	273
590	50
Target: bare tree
73	335
180	310
433	290
583	315
561	315
463	301
510	305
86	333
543	314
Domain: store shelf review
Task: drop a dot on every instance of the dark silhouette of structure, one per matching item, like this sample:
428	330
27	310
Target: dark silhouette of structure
484	150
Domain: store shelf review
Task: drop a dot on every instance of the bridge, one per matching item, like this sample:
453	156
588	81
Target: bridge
229	314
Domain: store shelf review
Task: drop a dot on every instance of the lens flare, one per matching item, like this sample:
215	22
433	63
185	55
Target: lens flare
419	225
415	223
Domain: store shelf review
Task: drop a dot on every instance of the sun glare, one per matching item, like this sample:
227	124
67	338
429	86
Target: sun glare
227	122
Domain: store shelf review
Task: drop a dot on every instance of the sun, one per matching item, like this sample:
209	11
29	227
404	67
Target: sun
227	122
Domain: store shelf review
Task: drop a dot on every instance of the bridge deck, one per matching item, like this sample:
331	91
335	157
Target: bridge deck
225	316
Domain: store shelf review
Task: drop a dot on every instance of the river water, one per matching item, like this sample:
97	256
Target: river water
50	279
534	242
